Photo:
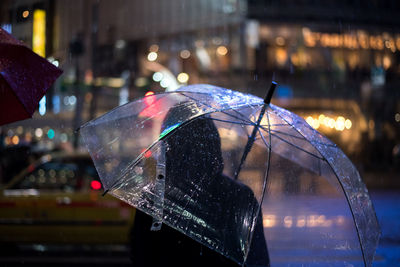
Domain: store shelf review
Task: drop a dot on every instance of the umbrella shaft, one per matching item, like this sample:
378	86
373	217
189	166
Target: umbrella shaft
251	140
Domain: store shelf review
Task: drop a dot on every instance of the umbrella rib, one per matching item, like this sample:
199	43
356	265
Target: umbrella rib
301	138
126	170
291	144
263	139
231	122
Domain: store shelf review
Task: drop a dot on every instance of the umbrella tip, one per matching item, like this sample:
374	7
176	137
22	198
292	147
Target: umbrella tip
270	92
105	192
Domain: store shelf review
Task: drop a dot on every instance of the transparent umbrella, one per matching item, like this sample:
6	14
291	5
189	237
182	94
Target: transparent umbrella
206	160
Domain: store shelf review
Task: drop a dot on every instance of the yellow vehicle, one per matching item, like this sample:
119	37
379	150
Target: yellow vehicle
58	199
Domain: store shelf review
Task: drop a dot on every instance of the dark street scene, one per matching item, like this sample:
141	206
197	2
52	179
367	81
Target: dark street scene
250	133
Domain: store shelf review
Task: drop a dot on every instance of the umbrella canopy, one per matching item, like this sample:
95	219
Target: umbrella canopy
147	160
24	79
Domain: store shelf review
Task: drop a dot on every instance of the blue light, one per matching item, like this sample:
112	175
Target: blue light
7	27
51	133
42	106
56	104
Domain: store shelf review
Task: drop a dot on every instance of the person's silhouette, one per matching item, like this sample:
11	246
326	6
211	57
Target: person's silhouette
195	186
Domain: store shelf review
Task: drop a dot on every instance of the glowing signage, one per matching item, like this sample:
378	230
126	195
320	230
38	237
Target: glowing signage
354	40
39	32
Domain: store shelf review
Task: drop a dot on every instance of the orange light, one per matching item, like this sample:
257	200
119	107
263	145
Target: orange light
25	14
95	185
15	140
149	93
150	98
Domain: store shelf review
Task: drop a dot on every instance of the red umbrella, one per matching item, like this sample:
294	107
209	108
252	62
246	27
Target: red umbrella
24	79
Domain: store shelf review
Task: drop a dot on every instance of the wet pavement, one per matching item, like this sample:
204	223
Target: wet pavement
308	231
302	248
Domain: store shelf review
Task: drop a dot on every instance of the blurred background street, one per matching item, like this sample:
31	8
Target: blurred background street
336	64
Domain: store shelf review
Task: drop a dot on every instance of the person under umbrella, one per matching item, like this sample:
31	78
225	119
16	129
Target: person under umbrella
193	159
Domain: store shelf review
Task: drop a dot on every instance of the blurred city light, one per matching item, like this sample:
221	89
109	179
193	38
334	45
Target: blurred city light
39	32
269	221
348	124
95	185
51	133
141	82
183	77
165	82
152	56
185	54
157	76
280	41
38	132
120	44
288	221
42	106
15	140
72	100
222	50
308	221
25	14
154	48
339	124
397	117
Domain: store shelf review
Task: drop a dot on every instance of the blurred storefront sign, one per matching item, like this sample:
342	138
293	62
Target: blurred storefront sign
39	32
303	48
358	39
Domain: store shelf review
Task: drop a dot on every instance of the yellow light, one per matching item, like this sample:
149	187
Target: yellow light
116	82
183	77
185	54
397	117
39	32
222	50
288	221
25	14
348	124
280	41
301	221
7	140
310	120
269	221
312	221
387	62
315	124
321	118
331	123
15	140
340	123
281	56
152	56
